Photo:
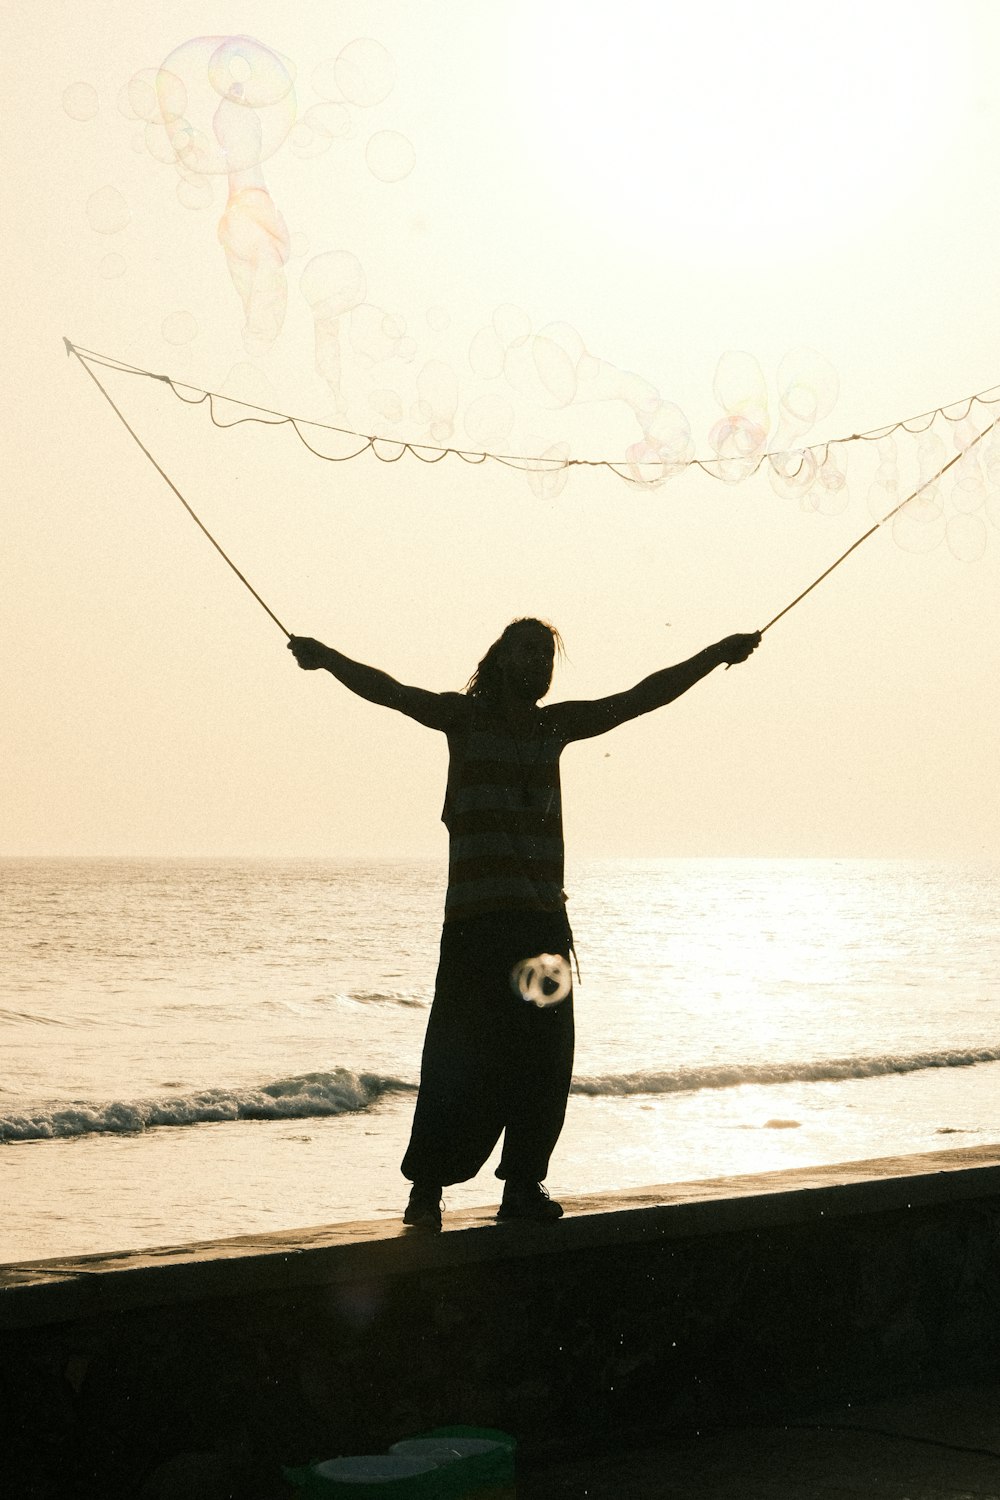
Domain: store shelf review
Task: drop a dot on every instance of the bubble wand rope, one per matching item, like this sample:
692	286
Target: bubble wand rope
72	349
872	529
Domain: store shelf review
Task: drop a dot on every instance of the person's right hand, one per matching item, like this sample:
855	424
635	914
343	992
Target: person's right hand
308	653
736	648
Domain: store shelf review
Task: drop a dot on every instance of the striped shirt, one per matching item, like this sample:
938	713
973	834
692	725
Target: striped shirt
503	807
503	812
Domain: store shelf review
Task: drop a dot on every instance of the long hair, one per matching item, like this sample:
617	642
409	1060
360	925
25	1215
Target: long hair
486	681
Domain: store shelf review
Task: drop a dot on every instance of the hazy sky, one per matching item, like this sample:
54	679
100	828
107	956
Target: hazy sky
707	201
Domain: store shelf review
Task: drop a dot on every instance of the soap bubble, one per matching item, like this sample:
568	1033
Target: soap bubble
542	981
157	141
740	437
739	443
333	283
808	387
374	333
968	489
543	368
884	492
244	70
919	526
387	404
967	537
830	494
437	392
665	430
390	156
254	237
486	354
107	211
740	388
227	102
793	473
80	101
112	266
511	324
547	473
179	328
319	127
363	72
137	100
665	448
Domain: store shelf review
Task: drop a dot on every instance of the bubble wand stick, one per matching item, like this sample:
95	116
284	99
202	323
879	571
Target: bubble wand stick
72	349
872	529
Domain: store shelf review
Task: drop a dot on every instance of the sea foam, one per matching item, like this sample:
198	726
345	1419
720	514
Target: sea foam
308	1096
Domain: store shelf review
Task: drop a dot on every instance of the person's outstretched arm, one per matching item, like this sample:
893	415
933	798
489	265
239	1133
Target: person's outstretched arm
585	718
435	710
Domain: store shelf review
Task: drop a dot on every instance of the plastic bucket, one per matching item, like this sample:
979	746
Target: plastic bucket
449	1463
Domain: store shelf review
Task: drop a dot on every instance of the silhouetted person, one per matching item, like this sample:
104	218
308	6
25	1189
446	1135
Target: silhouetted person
498	1054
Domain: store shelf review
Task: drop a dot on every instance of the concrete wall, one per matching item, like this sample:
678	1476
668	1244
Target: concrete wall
198	1371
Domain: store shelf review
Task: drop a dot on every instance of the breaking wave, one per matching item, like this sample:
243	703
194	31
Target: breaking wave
340	1091
826	1070
309	1096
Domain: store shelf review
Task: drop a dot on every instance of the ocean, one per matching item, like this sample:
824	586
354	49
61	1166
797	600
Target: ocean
197	1048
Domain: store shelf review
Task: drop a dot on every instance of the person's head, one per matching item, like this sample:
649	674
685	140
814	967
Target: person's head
519	664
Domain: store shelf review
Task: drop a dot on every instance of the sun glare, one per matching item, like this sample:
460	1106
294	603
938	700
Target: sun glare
724	131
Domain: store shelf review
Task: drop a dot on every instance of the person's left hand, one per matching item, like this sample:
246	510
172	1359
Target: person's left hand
736	648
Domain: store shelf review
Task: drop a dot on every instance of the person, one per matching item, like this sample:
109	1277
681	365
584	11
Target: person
498	1050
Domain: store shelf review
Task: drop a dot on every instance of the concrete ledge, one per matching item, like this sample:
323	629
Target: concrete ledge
33	1293
649	1312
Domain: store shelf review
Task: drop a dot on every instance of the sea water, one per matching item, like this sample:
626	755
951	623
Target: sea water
197	1048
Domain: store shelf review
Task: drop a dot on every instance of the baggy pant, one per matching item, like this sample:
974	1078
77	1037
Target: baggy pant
492	1061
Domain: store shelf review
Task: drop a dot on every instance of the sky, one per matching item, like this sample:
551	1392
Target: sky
648	232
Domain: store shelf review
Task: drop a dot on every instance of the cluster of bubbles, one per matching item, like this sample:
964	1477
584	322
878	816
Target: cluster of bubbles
220	107
954	508
807	390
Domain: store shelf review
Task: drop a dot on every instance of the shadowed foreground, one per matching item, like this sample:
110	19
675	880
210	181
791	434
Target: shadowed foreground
663	1341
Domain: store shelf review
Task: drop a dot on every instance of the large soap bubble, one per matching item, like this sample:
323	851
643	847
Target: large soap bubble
437	393
80	101
255	239
179	328
548	470
919	526
363	73
107	211
740	436
238	74
390	156
966	537
319	127
333	284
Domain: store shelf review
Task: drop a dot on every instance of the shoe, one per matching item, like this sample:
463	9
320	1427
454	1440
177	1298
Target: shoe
528	1200
423	1211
